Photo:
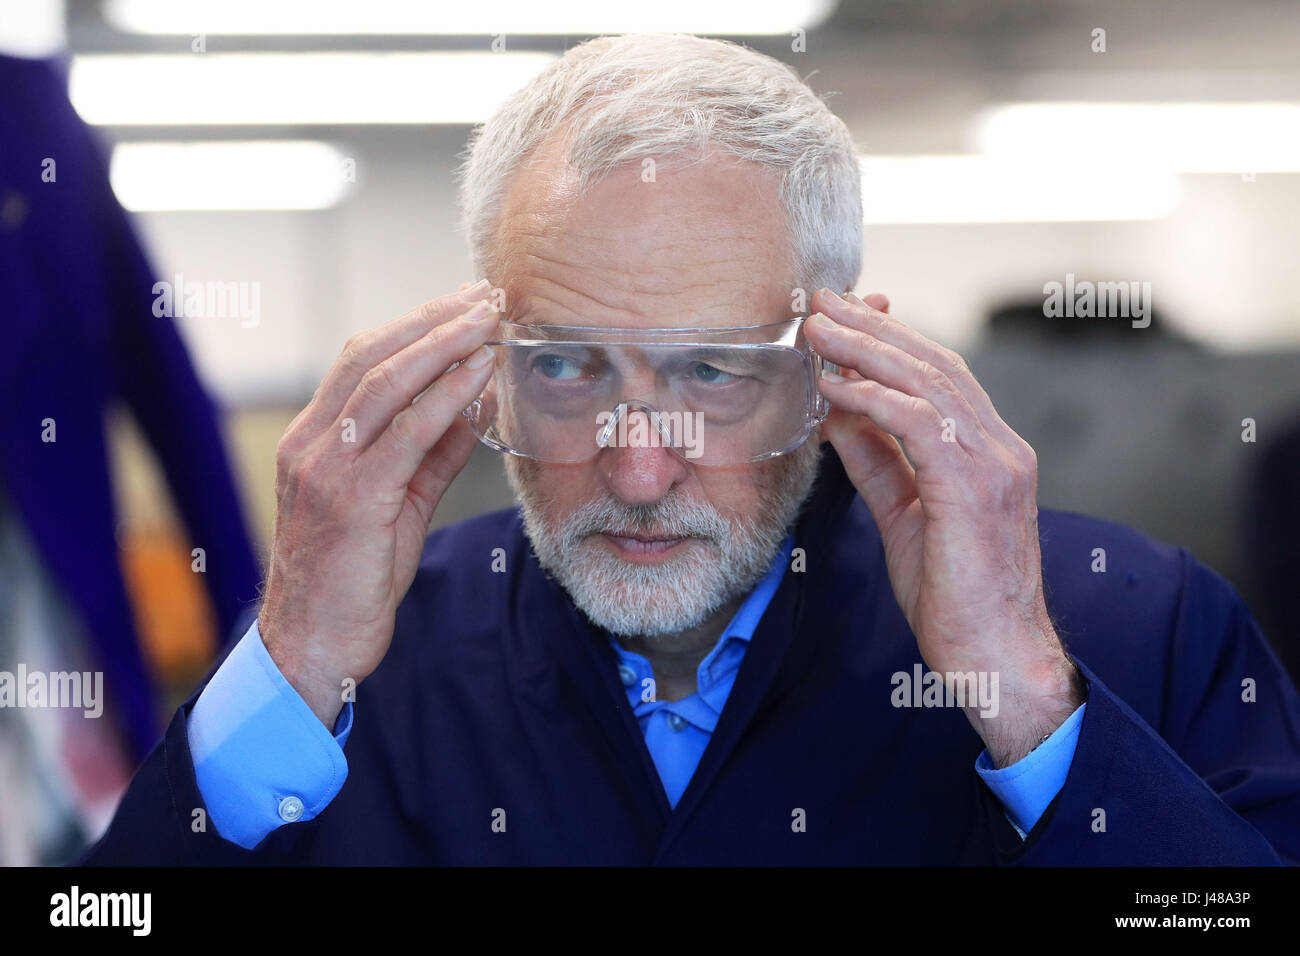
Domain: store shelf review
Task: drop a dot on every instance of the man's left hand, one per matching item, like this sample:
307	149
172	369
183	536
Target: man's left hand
959	520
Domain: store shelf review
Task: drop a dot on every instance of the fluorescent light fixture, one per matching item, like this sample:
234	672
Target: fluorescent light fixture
486	17
263	174
969	189
296	88
1181	137
32	29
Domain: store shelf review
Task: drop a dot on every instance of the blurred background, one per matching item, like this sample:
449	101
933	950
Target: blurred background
295	159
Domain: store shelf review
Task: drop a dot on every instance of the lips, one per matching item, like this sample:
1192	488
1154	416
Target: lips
642	547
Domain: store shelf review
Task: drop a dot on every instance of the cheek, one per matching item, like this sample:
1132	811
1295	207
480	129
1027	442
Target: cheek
736	492
563	489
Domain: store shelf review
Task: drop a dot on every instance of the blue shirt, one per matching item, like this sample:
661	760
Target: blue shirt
676	732
262	758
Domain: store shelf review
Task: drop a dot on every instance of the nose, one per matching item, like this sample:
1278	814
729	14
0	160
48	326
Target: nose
640	474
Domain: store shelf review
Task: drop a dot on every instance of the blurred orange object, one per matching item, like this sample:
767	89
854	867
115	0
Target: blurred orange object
173	613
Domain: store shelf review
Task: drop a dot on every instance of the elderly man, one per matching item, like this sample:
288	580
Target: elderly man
702	637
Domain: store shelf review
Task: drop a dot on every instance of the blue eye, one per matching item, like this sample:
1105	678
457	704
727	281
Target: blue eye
711	376
558	367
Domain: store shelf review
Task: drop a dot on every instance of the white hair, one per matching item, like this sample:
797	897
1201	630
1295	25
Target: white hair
621	99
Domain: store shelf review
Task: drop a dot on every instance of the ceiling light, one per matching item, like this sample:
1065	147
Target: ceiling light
296	88
264	174
970	189
1181	137
486	17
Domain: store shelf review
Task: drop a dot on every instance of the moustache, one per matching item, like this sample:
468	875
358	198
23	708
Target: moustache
668	518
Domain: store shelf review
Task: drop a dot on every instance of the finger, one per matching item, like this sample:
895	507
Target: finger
927	436
875	463
392	460
875	300
395	382
862	316
439	468
891	366
367	349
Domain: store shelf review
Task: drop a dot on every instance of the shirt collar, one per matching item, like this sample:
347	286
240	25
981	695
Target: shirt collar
719	666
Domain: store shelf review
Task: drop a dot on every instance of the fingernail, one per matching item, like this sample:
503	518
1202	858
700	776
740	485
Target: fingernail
480	311
479	357
832	376
478	288
853	297
823	322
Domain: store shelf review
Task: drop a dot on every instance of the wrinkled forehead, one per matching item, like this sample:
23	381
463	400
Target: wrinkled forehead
701	244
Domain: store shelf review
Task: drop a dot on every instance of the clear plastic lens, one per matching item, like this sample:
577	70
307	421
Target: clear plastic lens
556	397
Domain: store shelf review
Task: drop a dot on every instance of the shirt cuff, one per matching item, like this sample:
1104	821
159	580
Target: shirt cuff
262	758
1029	785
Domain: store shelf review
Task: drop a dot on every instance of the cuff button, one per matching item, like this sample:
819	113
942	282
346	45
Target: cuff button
290	809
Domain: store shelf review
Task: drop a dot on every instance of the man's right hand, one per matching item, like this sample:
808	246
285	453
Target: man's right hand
359	473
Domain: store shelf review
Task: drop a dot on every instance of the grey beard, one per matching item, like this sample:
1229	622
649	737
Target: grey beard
724	560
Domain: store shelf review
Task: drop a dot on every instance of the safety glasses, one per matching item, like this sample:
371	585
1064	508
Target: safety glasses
712	396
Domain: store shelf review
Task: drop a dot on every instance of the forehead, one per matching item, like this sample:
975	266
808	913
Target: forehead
700	244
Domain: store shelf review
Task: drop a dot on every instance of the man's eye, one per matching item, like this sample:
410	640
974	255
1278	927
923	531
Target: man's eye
709	375
558	367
